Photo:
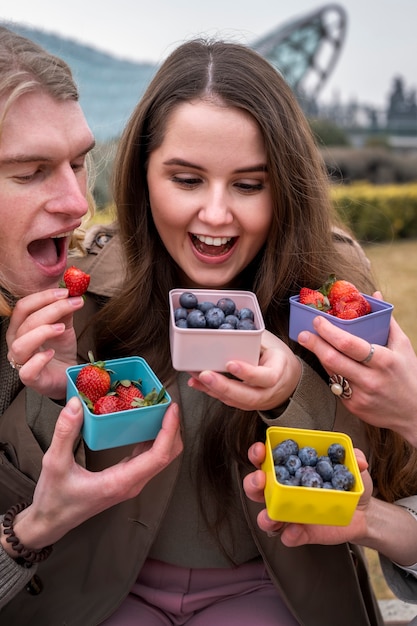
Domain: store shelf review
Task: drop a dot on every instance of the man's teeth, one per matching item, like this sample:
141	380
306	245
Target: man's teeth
213	241
62	235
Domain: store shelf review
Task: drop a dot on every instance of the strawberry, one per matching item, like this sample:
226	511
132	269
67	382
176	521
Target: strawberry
345	299
93	380
314	298
349	309
76	281
109	404
128	391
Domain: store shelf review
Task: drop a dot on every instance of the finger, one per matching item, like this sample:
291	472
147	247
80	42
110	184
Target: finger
58	311
30	372
332	345
29	304
256	376
66	432
168	443
257	453
254	485
22	348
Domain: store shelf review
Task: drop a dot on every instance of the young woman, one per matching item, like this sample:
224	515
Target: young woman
218	184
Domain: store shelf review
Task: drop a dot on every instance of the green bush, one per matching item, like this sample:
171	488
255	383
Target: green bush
378	212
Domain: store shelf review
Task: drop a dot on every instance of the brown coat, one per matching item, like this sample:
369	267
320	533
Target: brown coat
92	569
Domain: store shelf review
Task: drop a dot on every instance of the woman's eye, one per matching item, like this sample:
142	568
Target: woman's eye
186	182
250	187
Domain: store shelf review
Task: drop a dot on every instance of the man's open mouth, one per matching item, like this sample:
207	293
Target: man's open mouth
49	251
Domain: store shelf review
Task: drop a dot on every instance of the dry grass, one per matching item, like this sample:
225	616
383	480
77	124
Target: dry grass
395	268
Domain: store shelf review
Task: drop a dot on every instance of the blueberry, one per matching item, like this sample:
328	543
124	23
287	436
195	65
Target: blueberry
281	473
196	319
226	305
311	479
205	306
325	469
327	485
226	326
180	313
246	313
282	451
343	480
304	469
214	317
181	323
336	453
292	481
308	455
293	463
188	300
231	319
246	324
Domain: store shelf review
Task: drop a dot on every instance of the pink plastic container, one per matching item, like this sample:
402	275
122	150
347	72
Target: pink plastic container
373	327
197	349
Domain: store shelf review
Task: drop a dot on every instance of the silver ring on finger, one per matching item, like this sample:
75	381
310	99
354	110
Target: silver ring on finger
340	387
14	365
370	354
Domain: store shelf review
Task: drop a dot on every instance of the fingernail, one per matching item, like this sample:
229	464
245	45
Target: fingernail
76	301
73	405
61	293
233	368
302	337
206	378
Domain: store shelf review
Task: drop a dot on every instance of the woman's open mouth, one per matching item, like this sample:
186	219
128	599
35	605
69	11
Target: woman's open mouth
212	246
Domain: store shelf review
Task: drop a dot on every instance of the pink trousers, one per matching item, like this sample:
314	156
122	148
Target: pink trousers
166	595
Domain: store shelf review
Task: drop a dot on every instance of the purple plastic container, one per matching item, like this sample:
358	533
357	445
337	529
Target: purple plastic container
374	327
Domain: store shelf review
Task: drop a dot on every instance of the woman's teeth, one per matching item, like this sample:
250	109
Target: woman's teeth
213	241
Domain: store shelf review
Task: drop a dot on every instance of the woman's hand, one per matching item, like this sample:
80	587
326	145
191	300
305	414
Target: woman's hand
41	340
262	387
384	389
67	494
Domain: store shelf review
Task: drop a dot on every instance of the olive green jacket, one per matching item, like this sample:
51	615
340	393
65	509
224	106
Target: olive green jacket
92	569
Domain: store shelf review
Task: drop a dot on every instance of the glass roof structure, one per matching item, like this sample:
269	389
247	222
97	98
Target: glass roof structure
305	50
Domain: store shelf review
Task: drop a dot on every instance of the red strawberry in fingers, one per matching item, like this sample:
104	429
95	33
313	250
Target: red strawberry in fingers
76	281
314	298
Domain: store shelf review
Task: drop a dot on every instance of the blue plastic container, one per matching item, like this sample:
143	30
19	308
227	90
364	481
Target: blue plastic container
374	327
111	430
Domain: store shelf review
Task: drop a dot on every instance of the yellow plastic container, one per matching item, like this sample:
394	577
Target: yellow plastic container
308	505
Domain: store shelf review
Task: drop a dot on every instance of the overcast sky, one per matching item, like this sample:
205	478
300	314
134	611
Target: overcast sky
381	40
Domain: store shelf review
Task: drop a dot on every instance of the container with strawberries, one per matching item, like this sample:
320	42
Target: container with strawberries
123	401
345	306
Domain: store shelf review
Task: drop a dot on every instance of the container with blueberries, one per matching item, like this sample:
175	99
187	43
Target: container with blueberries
210	327
312	476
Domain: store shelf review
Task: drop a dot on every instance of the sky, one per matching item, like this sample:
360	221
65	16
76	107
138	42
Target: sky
381	41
